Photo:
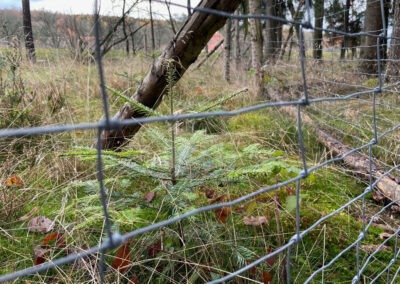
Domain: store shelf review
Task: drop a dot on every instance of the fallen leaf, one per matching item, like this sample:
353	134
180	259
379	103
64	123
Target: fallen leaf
271	260
150	196
223	213
39	255
267	277
122	257
14	181
289	190
59	240
384	236
134	279
255	221
29	214
210	193
40	224
153	249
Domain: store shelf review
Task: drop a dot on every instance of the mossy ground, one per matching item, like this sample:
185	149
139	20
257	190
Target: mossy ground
60	180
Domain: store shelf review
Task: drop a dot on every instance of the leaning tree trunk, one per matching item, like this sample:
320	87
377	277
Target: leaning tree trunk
28	34
372	25
182	51
393	65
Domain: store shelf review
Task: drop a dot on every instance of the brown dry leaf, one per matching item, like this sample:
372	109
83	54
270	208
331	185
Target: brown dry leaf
372	248
255	221
150	196
40	224
29	214
39	255
153	249
218	199
223	213
289	190
271	260
210	193
384	236
122	258
14	181
134	279
267	277
57	237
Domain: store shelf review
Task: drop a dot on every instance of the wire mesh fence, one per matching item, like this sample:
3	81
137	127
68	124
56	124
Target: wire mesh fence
315	97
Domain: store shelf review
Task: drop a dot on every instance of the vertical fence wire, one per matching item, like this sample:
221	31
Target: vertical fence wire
114	239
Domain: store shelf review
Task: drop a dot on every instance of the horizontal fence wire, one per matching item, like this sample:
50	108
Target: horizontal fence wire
115	239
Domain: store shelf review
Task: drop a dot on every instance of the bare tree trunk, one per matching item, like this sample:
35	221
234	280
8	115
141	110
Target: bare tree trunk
188	8
346	29
269	34
153	41
295	15
28	34
124	29
171	20
237	43
256	46
393	66
228	41
318	23
182	51
373	25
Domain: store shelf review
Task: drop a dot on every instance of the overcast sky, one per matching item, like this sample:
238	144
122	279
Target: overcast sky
108	7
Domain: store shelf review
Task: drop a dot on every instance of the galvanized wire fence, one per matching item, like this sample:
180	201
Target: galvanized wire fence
308	99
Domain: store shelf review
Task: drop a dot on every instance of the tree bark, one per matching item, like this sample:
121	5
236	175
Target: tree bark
269	34
28	34
373	25
227	48
183	50
346	29
256	46
393	66
237	43
318	23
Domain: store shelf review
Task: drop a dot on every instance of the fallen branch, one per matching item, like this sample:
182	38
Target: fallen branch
388	185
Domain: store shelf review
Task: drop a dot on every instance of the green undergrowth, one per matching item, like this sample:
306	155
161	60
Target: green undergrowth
169	170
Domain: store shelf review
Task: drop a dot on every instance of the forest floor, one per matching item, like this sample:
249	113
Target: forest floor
53	176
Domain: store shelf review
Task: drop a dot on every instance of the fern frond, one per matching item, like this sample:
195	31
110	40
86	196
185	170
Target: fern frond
141	108
221	100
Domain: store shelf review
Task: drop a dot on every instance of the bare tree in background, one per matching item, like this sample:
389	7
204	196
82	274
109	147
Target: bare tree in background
153	42
256	46
124	28
373	24
28	33
318	23
393	66
237	42
227	49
